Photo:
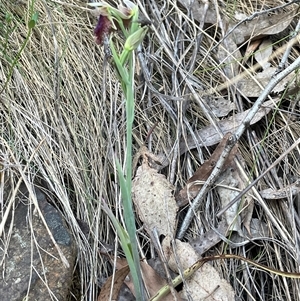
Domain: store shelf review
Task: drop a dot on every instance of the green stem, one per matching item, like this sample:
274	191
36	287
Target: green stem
128	208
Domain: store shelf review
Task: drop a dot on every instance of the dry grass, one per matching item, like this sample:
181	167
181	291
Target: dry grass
63	116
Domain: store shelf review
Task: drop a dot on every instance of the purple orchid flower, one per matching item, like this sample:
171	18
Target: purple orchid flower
110	17
103	28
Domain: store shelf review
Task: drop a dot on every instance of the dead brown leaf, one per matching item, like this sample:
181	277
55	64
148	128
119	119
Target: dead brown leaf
263	25
208	135
115	286
252	87
152	280
264	53
270	24
206	283
153	197
252	46
193	186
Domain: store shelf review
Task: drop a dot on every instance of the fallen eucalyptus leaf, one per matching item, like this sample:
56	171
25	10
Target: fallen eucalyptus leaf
112	286
250	88
194	185
208	135
153	197
205	284
263	25
264	52
152	281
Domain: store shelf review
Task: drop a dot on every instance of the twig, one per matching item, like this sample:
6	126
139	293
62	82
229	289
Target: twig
286	54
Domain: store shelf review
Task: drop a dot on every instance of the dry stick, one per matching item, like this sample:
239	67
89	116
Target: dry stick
288	49
206	186
235	137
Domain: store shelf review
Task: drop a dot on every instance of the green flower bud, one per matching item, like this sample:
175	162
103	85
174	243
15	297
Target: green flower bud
135	39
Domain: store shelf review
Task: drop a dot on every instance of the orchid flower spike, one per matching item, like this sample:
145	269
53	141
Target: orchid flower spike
111	18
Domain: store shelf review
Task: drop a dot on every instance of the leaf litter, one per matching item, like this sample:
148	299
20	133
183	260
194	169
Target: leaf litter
209	135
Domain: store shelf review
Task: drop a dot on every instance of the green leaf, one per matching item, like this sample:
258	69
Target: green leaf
122	72
122	234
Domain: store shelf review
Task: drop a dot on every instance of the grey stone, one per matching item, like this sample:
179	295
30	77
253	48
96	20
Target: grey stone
29	261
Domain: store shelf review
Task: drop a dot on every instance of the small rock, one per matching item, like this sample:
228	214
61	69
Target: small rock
29	261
